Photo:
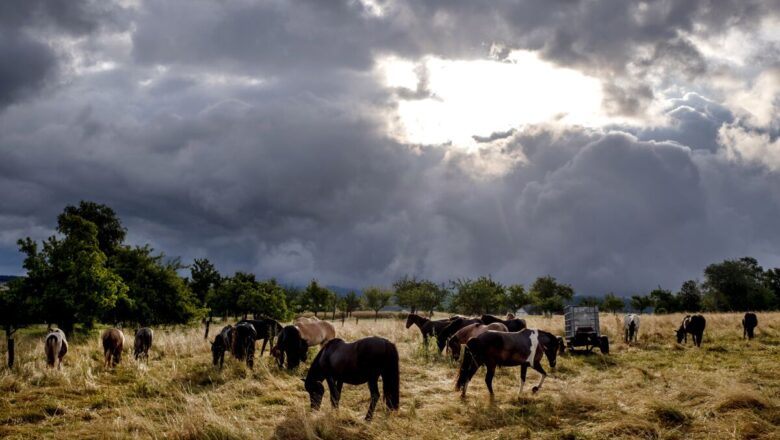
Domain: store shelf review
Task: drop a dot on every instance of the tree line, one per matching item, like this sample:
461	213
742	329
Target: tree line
88	274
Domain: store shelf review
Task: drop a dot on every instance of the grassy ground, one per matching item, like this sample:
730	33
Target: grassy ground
655	389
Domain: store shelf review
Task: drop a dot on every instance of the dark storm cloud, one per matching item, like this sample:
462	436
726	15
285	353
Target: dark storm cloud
254	133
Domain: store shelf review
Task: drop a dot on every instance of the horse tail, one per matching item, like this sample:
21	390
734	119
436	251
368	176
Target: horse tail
472	360
293	347
391	377
52	348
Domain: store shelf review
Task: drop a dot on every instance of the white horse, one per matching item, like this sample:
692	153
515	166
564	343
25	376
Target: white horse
631	327
55	346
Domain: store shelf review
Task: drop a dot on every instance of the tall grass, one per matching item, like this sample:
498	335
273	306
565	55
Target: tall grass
728	388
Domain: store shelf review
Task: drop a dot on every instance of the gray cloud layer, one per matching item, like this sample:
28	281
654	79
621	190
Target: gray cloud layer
255	134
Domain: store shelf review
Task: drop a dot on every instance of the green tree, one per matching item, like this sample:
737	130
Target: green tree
204	277
15	313
516	297
419	295
612	303
737	285
351	303
549	295
772	282
689	297
640	303
69	277
431	297
376	299
590	301
474	297
295	299
156	293
663	300
110	232
318	298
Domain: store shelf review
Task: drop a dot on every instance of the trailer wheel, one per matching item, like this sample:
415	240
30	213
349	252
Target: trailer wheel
604	345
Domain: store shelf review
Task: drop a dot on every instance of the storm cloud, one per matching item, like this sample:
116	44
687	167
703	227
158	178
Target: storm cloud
261	135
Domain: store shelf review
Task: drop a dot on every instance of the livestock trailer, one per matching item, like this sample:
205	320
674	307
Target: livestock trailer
582	328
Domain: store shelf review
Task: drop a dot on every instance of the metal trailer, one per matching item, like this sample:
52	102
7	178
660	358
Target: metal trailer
582	329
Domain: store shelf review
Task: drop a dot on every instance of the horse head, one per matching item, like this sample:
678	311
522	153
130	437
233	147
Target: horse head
316	391
454	346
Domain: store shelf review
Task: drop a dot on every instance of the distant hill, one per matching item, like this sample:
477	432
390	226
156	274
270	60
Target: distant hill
7	278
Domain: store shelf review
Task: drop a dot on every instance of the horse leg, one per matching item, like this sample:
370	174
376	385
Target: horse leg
335	392
491	371
538	367
262	349
374	388
523	372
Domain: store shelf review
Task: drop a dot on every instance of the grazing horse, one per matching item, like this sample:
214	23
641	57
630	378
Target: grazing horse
267	329
512	324
456	324
470	331
355	363
56	347
113	344
295	340
221	344
749	323
427	326
510	349
631	327
143	342
243	343
695	326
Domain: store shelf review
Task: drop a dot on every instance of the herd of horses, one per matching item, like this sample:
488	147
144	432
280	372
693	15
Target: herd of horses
487	340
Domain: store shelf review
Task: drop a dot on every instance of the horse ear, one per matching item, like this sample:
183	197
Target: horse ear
303	380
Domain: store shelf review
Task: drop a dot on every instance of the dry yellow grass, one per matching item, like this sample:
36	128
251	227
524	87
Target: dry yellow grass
655	389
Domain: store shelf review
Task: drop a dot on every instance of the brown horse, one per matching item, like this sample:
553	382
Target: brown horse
142	344
56	347
470	331
113	344
295	340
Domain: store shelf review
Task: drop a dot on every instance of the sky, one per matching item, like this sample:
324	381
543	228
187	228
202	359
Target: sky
614	145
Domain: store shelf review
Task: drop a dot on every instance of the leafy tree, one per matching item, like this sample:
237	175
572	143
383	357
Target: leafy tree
689	297
516	297
612	303
431	297
590	301
772	282
204	277
351	302
110	232
15	313
663	300
265	298
474	297
234	295
295	300
417	295
376	299
69	277
738	285
549	295
318	298
156	293
640	303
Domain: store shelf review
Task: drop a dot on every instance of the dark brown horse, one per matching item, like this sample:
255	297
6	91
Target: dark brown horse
142	343
499	349
450	329
362	361
243	343
221	344
427	327
267	329
512	324
695	326
470	331
295	340
749	324
56	346
113	344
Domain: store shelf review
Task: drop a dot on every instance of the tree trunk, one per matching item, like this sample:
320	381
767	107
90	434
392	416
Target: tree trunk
10	342
208	323
376	315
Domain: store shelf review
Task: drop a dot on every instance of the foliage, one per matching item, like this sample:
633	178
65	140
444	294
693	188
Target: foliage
204	278
376	298
612	303
317	298
663	300
590	301
350	303
15	307
689	297
156	293
516	297
549	295
69	278
419	295
641	302
738	285
110	232
474	297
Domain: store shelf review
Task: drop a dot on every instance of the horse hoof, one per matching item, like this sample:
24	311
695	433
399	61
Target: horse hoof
534	390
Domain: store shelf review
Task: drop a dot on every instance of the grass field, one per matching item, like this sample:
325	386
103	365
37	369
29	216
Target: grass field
729	388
